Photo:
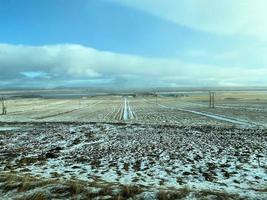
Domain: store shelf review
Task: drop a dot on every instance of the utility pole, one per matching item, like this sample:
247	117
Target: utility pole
211	99
4	109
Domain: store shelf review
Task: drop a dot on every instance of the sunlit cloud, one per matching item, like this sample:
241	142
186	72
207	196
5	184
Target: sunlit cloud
238	17
84	65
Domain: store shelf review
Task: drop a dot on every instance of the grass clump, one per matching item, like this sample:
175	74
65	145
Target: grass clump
174	194
216	195
19	183
74	187
130	191
36	196
28	160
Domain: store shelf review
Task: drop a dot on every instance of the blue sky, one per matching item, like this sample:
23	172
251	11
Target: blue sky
49	43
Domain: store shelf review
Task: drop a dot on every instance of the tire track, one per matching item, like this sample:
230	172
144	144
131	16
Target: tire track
125	112
240	122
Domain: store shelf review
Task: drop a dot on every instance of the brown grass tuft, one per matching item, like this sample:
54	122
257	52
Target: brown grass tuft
36	196
204	195
171	195
130	191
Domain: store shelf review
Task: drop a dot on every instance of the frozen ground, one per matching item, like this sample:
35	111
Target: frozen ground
135	147
243	111
224	160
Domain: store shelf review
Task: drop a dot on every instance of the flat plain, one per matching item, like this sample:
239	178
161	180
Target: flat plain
135	146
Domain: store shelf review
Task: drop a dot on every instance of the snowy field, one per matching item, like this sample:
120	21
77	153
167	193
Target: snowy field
143	147
220	162
233	108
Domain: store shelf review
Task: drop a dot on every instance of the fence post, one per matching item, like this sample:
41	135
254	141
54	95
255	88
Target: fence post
4	109
211	100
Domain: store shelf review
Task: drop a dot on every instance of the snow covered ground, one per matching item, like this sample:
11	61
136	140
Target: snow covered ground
228	160
125	112
236	121
139	147
148	109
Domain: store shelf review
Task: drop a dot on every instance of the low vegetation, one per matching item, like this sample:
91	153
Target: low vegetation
28	187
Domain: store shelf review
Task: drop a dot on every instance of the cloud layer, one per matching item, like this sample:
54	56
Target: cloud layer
238	17
70	64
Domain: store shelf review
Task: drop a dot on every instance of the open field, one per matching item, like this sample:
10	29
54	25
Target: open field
232	108
169	146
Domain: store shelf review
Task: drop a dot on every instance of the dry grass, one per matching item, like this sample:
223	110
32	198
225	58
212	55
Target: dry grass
200	195
30	188
130	191
75	188
27	183
12	182
22	183
174	194
24	161
36	196
206	195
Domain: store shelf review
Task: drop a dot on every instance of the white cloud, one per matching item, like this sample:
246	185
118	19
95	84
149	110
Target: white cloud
235	17
76	62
